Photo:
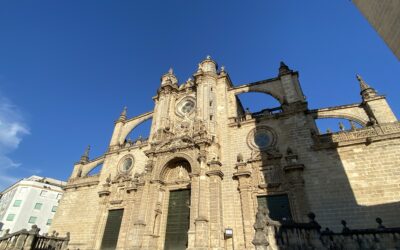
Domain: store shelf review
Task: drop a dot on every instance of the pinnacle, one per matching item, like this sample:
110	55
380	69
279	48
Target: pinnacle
363	84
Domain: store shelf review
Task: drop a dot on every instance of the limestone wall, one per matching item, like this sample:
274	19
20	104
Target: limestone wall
355	183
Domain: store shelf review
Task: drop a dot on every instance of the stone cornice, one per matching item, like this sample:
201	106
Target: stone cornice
82	184
215	172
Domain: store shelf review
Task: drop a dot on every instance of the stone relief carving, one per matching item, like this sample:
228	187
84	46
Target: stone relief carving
178	173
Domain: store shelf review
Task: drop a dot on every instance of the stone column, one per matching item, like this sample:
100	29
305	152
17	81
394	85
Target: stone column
139	223
243	174
101	219
216	230
150	240
201	222
294	178
194	194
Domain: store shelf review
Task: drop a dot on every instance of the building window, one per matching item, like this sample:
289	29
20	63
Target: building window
10	217
48	223
32	219
43	193
59	196
278	206
17	203
38	206
54	209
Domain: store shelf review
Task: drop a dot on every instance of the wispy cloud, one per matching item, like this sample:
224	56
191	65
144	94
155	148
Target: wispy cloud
12	130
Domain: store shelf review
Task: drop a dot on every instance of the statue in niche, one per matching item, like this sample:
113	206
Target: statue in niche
180	172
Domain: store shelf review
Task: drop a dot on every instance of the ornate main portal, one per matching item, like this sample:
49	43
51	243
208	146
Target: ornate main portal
178	220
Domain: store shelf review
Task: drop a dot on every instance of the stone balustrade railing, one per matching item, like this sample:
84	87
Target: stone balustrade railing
365	133
273	235
31	240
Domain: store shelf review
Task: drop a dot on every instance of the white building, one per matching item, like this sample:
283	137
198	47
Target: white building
30	201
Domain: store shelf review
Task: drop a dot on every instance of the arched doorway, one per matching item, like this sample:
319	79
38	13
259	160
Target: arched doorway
177	181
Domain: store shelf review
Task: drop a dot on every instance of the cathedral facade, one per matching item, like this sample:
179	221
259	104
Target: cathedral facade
209	164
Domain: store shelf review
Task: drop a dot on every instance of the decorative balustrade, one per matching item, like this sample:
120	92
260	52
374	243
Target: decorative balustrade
365	134
273	235
31	240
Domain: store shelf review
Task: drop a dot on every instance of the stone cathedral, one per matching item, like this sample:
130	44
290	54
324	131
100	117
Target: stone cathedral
209	164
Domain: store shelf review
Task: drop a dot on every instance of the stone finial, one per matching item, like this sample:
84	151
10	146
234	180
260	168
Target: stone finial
85	156
345	228
124	111
367	91
380	221
87	150
169	79
311	216
363	84
208	57
284	69
222	68
341	126
353	125
34	229
122	116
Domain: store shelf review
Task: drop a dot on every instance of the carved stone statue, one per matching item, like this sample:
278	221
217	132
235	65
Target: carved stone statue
260	240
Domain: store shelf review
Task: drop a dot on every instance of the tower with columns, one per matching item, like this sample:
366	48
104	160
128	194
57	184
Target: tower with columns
208	164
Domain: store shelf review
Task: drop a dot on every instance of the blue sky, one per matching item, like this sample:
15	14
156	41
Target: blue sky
67	68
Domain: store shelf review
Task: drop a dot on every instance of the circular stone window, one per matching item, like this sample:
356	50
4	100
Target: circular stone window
261	138
186	106
126	164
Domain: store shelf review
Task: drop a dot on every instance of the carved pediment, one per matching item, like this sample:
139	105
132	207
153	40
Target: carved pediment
175	143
